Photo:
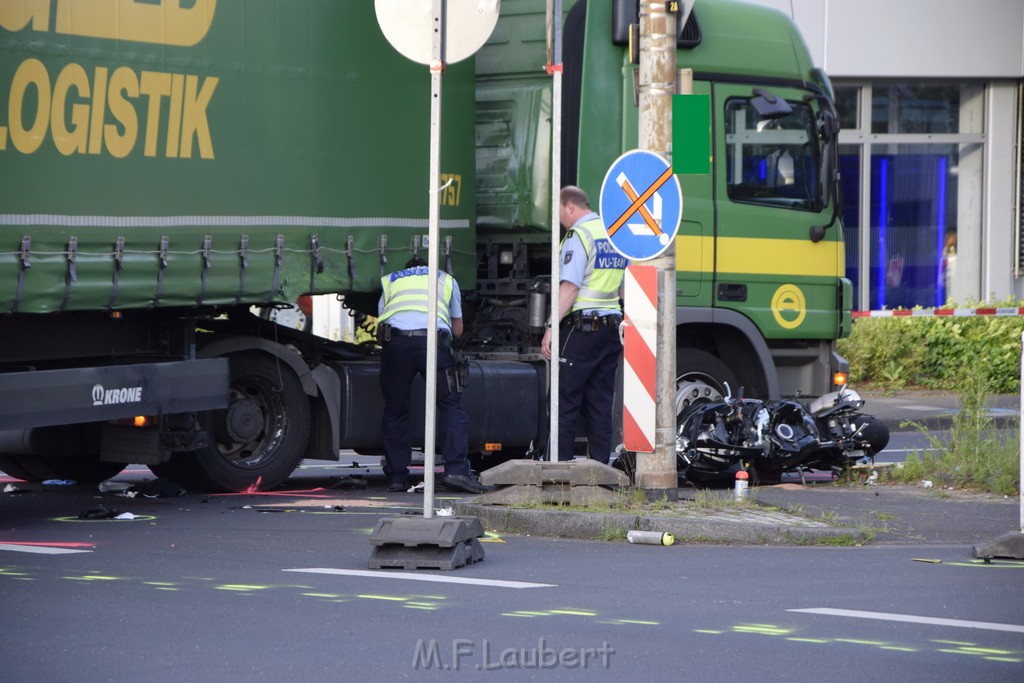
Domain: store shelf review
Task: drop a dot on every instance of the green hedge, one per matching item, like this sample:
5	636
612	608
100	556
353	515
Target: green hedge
935	352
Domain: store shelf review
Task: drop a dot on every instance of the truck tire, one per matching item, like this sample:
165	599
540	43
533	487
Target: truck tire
701	378
257	441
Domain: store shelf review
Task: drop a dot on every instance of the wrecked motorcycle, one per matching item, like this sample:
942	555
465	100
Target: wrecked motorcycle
716	439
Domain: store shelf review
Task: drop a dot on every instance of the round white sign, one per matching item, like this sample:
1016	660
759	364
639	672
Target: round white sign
409	26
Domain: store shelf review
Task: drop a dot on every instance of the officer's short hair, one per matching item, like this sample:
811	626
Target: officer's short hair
415	262
571	193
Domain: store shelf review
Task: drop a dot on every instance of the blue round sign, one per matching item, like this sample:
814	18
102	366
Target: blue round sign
641	204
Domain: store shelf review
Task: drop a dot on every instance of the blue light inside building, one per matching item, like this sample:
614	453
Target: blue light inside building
883	210
940	222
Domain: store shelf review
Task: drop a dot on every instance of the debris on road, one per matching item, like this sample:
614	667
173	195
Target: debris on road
100	512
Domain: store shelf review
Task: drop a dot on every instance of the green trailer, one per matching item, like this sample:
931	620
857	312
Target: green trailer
168	168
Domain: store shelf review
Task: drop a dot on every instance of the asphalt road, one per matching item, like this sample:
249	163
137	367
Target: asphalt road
275	587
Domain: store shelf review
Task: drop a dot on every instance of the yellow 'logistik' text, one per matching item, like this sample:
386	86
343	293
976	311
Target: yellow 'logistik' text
71	109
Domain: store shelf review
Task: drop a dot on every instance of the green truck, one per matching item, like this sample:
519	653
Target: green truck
170	167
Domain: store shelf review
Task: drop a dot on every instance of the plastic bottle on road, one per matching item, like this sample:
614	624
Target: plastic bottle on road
742	488
650	537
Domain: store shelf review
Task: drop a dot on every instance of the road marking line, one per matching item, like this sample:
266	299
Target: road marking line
886	616
498	583
41	550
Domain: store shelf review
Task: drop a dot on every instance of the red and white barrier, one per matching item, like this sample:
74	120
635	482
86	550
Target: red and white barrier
639	379
938	312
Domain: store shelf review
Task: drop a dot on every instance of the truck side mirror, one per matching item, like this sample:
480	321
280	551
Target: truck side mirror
768	106
626	13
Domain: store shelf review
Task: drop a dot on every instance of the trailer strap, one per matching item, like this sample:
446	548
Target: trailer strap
316	265
278	256
243	257
72	273
118	267
207	247
26	247
349	244
165	244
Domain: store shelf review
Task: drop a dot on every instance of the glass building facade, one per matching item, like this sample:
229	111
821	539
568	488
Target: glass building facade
911	160
931	99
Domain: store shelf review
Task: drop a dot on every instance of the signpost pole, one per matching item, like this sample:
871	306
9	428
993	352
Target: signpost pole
419	30
433	231
657	85
554	21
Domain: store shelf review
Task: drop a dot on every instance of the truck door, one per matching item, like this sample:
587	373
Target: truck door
767	197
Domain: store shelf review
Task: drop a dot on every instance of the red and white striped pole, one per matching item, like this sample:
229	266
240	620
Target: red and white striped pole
639	377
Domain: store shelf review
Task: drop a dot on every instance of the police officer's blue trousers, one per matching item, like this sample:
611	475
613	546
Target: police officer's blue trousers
401	360
586	381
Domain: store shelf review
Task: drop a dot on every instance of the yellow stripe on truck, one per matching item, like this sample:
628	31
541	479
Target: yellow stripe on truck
760	256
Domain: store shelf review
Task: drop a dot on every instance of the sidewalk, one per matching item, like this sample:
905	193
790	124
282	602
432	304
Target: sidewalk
819	512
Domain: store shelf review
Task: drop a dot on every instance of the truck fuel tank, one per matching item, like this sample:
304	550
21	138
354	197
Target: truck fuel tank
503	399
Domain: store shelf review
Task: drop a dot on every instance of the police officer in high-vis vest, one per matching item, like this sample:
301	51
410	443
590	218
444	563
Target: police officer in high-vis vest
403	328
589	308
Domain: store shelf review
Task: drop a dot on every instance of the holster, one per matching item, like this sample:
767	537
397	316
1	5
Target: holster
457	376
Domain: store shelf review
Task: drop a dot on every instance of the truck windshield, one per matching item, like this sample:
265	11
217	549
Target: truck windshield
771	161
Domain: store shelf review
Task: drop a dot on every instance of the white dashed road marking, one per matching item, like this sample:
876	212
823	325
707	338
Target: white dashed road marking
913	619
408	576
39	549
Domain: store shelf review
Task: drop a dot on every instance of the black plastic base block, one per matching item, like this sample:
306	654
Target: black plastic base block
426	556
443	543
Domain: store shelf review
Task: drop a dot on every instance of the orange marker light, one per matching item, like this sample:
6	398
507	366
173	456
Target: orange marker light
141	421
490	447
840	379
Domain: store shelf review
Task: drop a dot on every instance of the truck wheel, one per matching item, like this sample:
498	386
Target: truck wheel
701	378
258	440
